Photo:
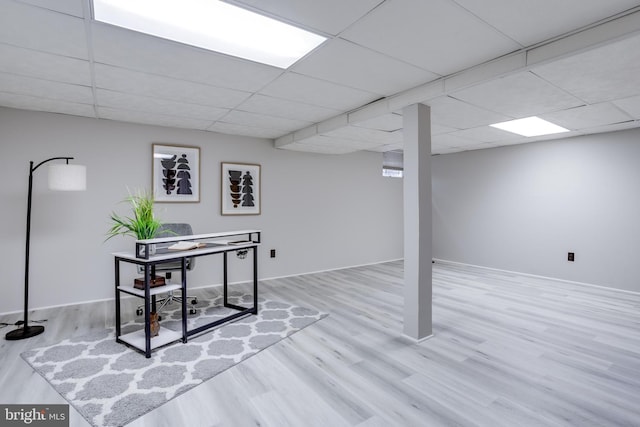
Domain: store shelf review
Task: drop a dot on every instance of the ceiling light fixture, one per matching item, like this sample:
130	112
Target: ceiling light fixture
530	126
212	25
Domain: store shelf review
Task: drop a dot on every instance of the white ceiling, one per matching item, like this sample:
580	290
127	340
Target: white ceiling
573	62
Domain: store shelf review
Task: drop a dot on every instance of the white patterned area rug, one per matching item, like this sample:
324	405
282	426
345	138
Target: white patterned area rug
111	384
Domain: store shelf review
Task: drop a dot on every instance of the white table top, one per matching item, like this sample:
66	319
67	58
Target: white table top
215	246
199	236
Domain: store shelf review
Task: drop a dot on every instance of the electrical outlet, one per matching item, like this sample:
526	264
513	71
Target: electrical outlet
273	253
571	257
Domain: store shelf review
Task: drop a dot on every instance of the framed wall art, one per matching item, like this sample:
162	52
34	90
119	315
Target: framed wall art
240	189
176	173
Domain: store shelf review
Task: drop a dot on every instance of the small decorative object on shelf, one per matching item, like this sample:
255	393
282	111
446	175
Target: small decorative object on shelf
154	324
185	246
156	281
242	253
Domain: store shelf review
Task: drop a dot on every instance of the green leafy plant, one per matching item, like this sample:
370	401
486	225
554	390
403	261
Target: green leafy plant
142	225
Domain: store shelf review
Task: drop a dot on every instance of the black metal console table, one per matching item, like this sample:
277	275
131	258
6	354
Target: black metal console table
152	252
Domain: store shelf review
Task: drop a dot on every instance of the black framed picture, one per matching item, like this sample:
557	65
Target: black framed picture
176	173
240	194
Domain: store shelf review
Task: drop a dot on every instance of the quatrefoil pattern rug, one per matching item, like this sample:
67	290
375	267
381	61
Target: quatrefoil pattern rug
111	384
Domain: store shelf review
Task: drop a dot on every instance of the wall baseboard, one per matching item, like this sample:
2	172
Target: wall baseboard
572	282
437	260
34	310
331	269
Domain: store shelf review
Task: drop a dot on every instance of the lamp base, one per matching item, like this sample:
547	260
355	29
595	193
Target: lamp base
24	332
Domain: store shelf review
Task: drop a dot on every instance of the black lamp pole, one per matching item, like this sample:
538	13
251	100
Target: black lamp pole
27	331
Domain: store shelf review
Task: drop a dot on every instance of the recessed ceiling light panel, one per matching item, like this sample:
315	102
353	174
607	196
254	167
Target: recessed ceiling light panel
530	126
212	25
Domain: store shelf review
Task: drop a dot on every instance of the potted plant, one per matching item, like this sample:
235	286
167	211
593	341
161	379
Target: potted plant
142	225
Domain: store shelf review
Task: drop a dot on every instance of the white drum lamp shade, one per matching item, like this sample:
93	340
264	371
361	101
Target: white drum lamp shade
65	177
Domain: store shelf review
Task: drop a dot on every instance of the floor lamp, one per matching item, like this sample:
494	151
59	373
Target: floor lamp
62	177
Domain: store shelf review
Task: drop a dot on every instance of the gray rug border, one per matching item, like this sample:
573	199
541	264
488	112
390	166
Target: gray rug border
111	332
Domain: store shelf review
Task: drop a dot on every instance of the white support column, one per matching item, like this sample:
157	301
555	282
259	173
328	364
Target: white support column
417	222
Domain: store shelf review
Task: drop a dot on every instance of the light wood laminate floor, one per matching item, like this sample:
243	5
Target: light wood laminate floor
508	350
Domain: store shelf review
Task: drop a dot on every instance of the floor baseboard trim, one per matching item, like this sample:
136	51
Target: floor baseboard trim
437	260
34	310
416	340
572	282
331	269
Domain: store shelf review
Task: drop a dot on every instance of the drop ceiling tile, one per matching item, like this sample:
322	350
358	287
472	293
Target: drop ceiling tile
387	122
587	117
613	127
453	113
370	136
372	110
328	16
480	146
45	66
531	22
445	150
348	64
388	147
602	74
125	101
630	105
318	149
334	141
12	83
308	90
437	128
244	130
157	56
485	134
70	7
450	140
143	117
36	103
436	35
332	145
315	140
139	83
519	95
35	28
162	79
527	140
421	94
264	121
262	104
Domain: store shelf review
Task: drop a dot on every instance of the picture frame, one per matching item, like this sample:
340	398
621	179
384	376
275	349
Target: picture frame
240	188
176	173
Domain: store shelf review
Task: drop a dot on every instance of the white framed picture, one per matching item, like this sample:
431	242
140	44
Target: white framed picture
240	193
176	173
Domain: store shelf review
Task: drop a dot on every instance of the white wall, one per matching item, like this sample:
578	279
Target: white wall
522	208
318	211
